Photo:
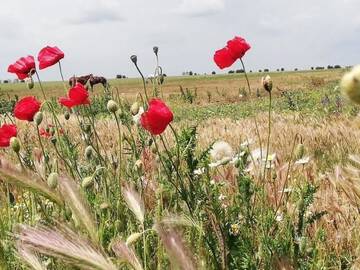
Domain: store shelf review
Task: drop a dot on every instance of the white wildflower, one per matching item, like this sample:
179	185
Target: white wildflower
302	161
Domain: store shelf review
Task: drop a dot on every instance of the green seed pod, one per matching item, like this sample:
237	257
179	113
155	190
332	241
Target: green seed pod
38	117
53	180
15	144
89	152
87	182
67	115
135	108
112	106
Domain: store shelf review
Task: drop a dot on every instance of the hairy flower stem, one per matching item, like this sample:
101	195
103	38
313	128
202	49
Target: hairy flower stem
144	243
120	143
268	137
246	76
62	77
144	83
40	84
42	148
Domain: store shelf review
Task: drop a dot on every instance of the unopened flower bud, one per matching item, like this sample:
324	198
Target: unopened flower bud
267	83
53	140
156	50
350	85
135	108
87	182
133	59
15	144
89	151
30	83
112	106
53	180
38	117
67	115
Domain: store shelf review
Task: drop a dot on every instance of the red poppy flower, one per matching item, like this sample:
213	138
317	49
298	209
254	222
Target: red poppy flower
235	49
157	117
23	67
77	95
26	108
6	133
49	56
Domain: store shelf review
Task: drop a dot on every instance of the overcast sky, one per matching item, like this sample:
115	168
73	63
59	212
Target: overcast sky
98	36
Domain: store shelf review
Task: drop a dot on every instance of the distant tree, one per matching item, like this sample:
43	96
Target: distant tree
6	81
190	73
337	66
164	75
295	69
277	70
22	81
250	71
213	72
329	67
312	68
260	70
266	70
119	76
231	72
282	69
319	68
239	71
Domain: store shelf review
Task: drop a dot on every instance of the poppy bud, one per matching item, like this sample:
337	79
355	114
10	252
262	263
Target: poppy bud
135	108
53	140
112	106
38	117
88	151
67	115
267	83
156	50
53	180
138	164
134	59
87	182
30	83
350	85
15	144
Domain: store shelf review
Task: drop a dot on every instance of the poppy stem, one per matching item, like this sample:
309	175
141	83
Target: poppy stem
143	80
41	87
62	77
268	138
246	76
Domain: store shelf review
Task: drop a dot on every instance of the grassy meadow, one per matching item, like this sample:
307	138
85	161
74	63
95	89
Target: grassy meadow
125	199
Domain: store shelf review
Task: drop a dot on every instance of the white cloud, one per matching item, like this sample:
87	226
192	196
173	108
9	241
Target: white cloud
200	7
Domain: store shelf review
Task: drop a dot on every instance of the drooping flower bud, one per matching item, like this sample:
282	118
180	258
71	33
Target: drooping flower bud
350	85
156	50
38	117
29	83
134	59
53	140
89	152
53	180
15	144
67	115
87	182
112	106
134	108
267	83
